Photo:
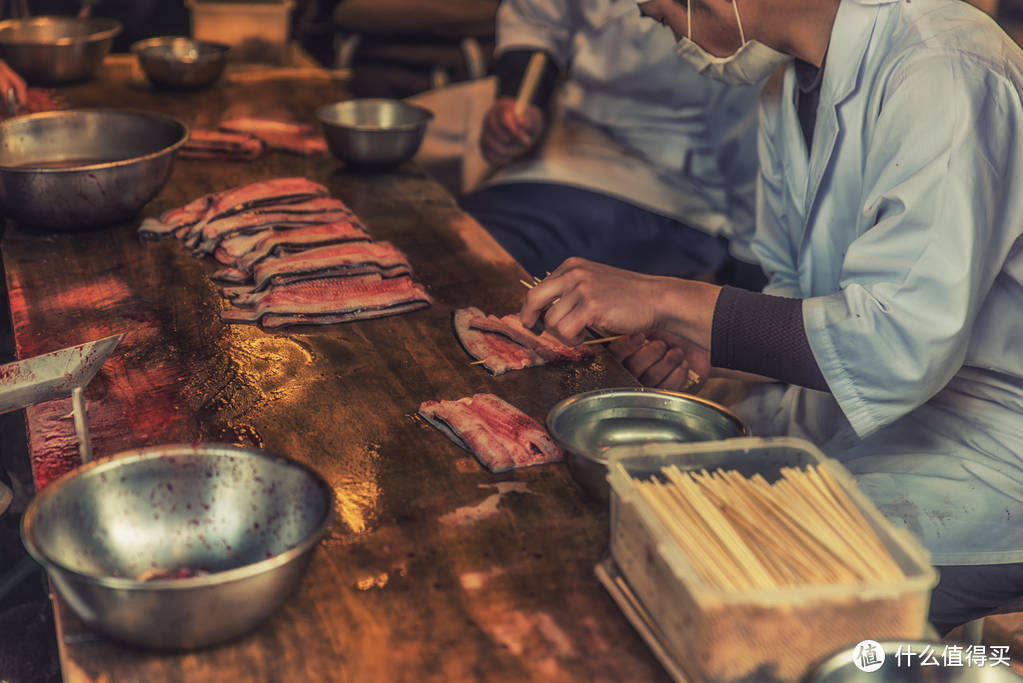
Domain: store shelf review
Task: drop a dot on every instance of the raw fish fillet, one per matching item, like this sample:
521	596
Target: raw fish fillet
500	435
329	300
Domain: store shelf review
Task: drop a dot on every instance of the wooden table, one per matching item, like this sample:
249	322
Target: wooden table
433	569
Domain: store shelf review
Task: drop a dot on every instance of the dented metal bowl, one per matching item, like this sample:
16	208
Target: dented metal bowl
587	425
249	519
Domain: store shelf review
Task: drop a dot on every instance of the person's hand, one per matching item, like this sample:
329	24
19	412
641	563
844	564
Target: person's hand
10	80
506	136
663	360
581	294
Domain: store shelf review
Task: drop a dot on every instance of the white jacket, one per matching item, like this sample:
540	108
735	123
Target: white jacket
903	232
636	121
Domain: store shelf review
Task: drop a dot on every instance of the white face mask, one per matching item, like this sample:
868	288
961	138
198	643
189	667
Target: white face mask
751	63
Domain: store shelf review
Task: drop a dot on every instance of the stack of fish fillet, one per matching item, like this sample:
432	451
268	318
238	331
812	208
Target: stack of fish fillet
291	255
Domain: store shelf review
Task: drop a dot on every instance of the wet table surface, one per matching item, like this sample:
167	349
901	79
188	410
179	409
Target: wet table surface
433	568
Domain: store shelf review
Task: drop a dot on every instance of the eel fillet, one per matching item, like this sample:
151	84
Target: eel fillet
284	136
500	435
348	258
215	144
329	300
242	252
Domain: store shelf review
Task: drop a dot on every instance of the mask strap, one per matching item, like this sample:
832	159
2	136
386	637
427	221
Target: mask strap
742	36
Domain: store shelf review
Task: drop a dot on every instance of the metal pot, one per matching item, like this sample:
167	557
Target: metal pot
51	50
586	425
374	134
71	170
250	519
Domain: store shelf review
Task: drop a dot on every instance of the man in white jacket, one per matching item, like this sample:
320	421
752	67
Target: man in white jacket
890	222
632	159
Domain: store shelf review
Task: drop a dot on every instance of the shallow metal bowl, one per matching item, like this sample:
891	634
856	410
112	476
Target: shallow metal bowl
71	170
374	134
181	62
52	50
249	518
841	667
586	425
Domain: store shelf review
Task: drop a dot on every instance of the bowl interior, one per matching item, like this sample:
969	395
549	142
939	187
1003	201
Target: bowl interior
73	139
56	30
211	508
590	423
374	114
180	51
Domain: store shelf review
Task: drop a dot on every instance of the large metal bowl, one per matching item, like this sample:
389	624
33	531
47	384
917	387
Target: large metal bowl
586	425
72	170
50	50
181	62
374	134
249	518
842	667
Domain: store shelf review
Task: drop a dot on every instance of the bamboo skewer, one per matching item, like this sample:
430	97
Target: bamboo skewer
530	82
744	534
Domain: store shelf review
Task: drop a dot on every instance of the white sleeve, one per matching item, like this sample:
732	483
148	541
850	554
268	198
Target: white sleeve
770	240
537	24
941	176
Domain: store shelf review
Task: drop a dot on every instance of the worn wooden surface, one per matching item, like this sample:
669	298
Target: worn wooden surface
433	568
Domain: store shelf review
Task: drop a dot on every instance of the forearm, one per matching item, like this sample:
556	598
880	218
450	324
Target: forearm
746	332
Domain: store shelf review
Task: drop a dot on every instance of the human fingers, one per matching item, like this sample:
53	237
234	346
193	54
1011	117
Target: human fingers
493	127
564	320
11	80
627	345
511	123
538	299
680	379
658	372
648	355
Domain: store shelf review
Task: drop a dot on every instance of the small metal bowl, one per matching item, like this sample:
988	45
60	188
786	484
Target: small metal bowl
52	50
248	518
586	425
374	134
85	168
842	668
181	62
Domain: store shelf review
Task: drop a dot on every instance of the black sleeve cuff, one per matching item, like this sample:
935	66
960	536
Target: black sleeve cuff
763	334
511	69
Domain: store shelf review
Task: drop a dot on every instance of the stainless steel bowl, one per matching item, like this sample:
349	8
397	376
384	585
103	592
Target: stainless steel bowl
50	50
587	424
181	62
72	170
249	518
841	668
374	134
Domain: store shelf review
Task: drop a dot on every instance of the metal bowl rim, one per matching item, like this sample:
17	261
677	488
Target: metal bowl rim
185	133
423	111
114	28
139	47
156	452
564	405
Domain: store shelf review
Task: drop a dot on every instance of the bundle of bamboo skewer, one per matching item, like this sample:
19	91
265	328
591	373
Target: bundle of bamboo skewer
744	534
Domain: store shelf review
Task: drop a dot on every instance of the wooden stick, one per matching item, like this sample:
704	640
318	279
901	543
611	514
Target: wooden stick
530	82
604	340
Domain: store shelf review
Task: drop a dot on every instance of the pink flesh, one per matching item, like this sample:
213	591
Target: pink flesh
498	353
500	435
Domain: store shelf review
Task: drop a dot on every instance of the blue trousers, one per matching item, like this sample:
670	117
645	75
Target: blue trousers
965	593
542	224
